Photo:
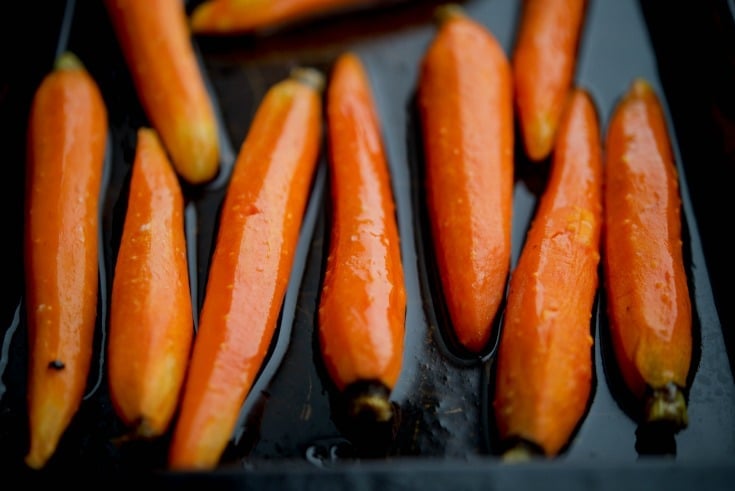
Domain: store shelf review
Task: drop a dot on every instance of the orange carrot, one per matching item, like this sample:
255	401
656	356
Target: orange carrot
250	268
67	135
648	299
544	368
363	300
151	320
544	62
218	17
465	103
155	39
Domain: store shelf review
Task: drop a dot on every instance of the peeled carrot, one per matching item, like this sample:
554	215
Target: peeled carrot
67	136
151	320
363	300
544	365
544	62
649	306
250	267
242	16
465	104
155	39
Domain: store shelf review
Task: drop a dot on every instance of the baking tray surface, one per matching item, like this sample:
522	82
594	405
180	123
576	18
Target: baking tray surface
289	437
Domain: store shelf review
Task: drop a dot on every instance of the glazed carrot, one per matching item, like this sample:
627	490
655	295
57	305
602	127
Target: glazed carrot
363	300
544	366
218	17
465	104
250	267
151	320
544	62
67	136
648	300
155	39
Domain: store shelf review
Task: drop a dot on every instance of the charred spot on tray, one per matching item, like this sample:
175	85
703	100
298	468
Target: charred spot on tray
56	365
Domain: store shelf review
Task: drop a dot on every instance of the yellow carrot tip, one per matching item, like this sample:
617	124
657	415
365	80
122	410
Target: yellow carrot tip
309	76
640	86
68	61
447	12
667	406
520	451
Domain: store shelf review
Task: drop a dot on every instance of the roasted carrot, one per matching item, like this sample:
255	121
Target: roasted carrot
67	137
466	109
544	62
648	300
155	39
544	365
362	306
258	232
218	17
151	319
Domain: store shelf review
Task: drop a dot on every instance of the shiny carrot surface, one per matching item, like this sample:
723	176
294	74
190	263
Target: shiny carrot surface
67	135
241	16
465	104
155	39
250	268
544	368
151	321
648	300
363	300
544	62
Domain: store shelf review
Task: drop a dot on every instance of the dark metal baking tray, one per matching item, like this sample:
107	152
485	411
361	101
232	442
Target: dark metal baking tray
290	437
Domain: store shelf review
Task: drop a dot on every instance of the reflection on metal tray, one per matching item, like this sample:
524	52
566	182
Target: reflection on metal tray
289	434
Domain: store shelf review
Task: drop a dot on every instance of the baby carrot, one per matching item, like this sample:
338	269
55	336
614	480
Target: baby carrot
250	267
67	136
544	62
363	300
466	109
219	17
151	320
544	366
649	307
154	38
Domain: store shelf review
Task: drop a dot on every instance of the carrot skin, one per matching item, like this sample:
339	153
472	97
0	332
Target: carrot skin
465	105
250	268
544	62
363	300
151	320
67	136
224	17
649	306
544	368
155	39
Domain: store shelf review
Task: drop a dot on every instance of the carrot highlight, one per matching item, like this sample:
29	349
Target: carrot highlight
226	17
544	365
67	137
465	105
155	40
648	301
544	62
151	319
250	268
363	300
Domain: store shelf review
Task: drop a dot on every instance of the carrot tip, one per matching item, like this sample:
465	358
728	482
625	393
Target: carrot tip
68	61
667	405
447	12
309	76
521	451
